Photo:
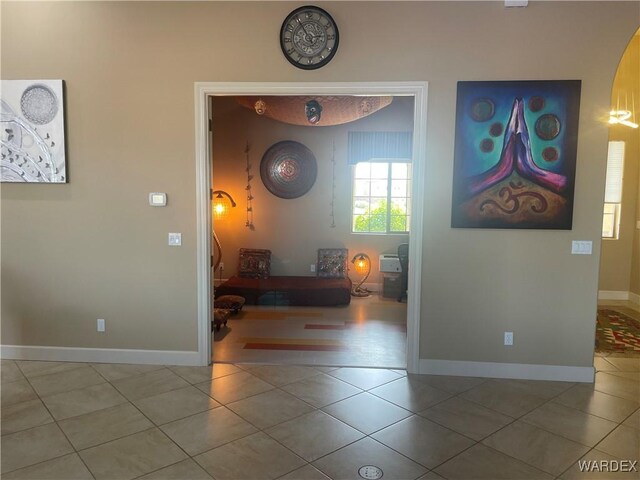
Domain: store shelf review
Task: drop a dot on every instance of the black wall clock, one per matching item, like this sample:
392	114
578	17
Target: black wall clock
309	37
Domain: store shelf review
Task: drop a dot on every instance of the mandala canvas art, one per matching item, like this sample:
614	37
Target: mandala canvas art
515	154
32	148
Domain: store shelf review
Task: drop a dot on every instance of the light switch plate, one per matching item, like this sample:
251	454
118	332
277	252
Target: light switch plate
158	199
581	247
175	239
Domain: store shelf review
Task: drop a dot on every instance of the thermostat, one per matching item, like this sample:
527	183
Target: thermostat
157	199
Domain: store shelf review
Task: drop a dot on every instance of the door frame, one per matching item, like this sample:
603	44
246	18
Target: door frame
205	90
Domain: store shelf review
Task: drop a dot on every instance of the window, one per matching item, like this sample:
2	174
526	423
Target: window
613	190
381	197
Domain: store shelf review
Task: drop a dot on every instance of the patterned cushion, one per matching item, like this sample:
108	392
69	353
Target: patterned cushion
254	263
332	262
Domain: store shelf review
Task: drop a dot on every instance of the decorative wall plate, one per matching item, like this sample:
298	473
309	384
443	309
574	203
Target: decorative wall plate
288	169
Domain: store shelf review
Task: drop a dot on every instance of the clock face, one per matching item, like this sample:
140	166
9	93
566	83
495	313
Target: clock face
309	37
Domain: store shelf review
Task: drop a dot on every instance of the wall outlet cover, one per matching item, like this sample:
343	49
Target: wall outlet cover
175	239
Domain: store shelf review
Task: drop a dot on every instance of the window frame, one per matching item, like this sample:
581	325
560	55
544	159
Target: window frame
389	197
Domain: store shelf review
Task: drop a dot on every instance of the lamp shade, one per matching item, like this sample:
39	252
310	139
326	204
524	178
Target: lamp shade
362	264
222	204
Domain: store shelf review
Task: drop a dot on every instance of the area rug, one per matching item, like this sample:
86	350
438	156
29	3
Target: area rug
617	332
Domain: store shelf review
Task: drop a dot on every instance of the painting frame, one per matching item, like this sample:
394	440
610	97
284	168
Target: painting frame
515	154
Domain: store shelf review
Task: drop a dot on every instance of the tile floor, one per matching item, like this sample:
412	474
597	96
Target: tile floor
67	421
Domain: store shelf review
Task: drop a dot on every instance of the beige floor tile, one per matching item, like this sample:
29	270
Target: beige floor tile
570	423
635	376
423	441
32	446
365	378
345	463
33	369
308	472
314	435
69	467
176	404
116	371
596	472
9	372
66	380
234	387
321	390
633	420
509	397
149	384
132	456
431	476
270	408
411	394
367	412
589	400
542	388
623	443
601	365
454	385
279	375
467	418
16	392
86	400
195	375
103	426
481	462
256	457
184	470
207	430
21	416
326	369
625	364
617	386
539	448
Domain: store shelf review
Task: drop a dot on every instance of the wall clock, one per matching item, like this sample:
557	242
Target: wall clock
309	37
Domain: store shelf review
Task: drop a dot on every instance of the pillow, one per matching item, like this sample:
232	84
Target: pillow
254	263
332	262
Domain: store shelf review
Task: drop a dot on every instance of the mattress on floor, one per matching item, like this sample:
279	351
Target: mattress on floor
299	291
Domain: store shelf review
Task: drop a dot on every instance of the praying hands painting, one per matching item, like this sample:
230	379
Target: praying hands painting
32	146
515	154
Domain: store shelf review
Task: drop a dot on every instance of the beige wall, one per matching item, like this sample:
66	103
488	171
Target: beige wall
617	268
294	229
94	248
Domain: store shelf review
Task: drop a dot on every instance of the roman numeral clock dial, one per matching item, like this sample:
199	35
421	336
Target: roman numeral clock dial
309	37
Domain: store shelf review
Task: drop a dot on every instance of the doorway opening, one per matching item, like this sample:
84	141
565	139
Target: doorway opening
414	94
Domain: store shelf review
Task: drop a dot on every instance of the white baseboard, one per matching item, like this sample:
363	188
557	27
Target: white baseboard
634	297
99	355
518	371
612	295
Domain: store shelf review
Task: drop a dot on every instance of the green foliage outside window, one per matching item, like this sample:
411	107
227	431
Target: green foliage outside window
376	220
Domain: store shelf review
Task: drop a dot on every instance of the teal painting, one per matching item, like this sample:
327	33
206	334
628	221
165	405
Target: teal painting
515	154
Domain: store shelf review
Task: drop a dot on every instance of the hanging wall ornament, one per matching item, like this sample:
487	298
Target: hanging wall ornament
313	110
288	169
333	187
249	223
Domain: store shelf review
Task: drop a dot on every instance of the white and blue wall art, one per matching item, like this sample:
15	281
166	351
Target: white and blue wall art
32	146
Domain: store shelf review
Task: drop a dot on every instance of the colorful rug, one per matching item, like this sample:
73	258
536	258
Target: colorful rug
617	332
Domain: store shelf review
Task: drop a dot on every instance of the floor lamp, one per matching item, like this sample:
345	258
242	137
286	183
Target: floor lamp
362	265
222	203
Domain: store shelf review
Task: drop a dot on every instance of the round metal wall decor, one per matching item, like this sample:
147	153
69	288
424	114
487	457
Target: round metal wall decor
288	169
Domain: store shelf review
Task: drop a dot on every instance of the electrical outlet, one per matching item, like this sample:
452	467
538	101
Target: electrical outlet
175	239
312	267
221	266
508	338
101	325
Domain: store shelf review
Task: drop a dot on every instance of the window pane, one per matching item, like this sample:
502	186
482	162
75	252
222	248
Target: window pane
378	188
379	170
400	170
379	206
378	223
398	206
398	223
399	188
608	225
360	205
361	223
363	170
361	188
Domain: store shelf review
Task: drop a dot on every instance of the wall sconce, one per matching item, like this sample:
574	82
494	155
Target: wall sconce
362	265
222	203
621	117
